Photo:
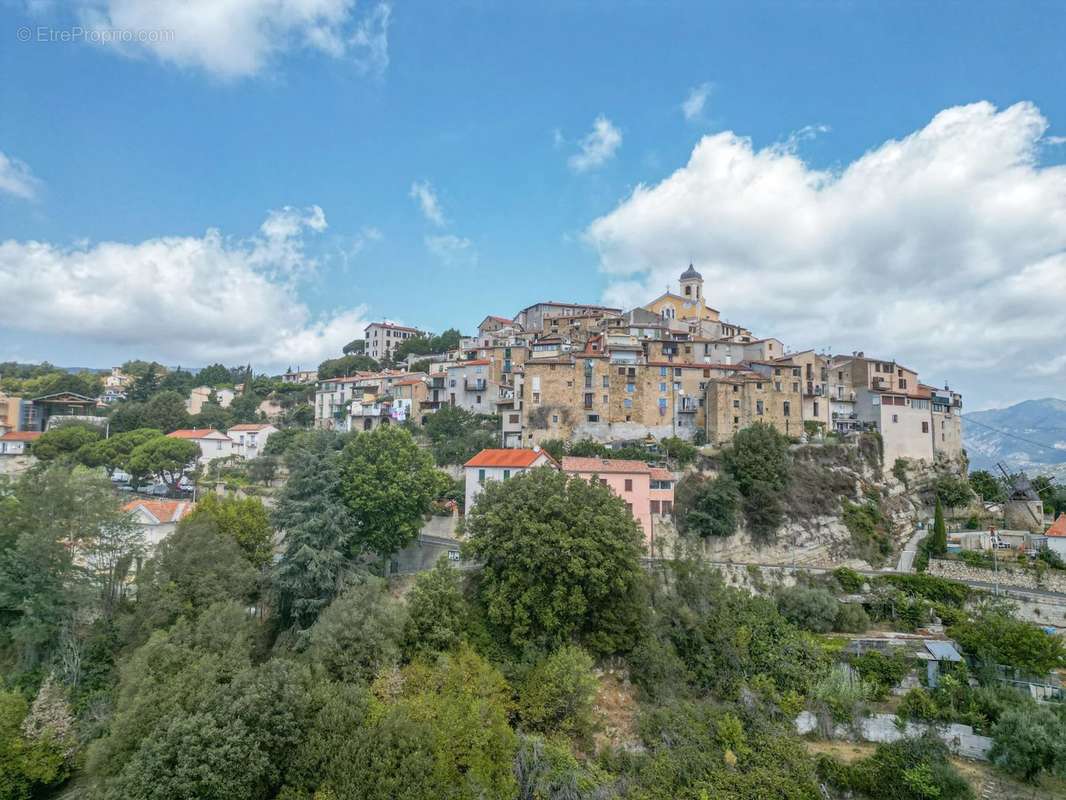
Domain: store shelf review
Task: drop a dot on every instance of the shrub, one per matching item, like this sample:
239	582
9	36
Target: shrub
359	633
849	580
851	618
558	694
812	609
882	672
707	506
1029	742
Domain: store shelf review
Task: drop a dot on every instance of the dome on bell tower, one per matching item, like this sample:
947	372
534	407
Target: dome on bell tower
691	274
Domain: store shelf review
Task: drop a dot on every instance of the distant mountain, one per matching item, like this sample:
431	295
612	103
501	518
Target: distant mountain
1028	436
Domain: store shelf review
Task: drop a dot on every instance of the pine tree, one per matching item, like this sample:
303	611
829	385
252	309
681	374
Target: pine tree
318	529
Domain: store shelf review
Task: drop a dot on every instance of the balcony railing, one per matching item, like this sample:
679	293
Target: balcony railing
688	405
474	384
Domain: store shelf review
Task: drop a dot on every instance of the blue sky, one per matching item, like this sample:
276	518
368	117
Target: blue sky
486	104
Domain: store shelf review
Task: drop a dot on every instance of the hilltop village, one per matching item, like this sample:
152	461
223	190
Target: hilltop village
671	368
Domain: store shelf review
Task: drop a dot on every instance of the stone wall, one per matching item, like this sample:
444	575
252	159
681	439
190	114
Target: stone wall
1007	576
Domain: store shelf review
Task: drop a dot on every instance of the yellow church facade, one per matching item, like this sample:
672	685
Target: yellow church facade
690	304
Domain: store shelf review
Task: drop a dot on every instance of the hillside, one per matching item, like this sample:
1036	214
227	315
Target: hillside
1029	436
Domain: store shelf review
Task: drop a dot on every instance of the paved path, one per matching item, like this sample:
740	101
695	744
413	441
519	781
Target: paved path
910	551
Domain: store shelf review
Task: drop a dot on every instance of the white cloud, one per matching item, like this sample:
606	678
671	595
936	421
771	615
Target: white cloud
240	38
945	249
452	250
17	179
598	147
184	299
422	191
692	108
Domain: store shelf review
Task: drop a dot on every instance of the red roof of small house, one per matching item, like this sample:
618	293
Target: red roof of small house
163	510
1058	527
507	457
658	474
602	466
481	362
251	426
196	433
20	436
500	319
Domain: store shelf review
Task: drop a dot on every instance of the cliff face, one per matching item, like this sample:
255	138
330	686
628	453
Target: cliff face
843	508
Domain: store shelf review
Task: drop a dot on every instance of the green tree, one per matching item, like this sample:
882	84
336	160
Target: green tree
245	520
65	440
985	485
953	491
145	385
166	458
594	595
463	704
215	375
51	517
359	634
438	613
938	544
676	448
354	347
1027	742
707	506
759	462
558	695
457	434
165	411
193	568
346	365
994	636
28	766
318	530
389	483
809	608
114	453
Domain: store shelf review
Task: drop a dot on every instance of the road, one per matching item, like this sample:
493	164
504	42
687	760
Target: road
910	551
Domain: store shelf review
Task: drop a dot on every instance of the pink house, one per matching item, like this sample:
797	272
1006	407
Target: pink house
645	490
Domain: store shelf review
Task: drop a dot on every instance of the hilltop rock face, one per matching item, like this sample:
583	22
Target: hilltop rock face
840	509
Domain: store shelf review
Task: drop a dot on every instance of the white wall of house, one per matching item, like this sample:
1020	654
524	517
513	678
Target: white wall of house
213	447
250	444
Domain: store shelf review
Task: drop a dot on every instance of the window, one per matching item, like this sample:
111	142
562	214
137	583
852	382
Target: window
925	427
668	506
481	476
758	407
627	403
677	372
736	404
629	507
816	408
758	386
631	387
629	484
606	382
621	370
512	419
777	386
662	372
536	397
895	417
787	410
478	399
736	420
593	417
662	387
654	506
555	419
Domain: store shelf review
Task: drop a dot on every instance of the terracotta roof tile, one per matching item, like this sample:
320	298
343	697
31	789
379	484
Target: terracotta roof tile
20	436
163	510
251	426
507	457
1058	527
604	465
195	433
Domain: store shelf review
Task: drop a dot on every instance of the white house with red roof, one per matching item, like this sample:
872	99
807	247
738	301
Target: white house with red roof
382	338
499	465
158	518
17	443
1056	535
249	438
213	444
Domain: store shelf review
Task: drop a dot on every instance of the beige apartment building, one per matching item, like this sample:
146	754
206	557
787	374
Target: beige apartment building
735	402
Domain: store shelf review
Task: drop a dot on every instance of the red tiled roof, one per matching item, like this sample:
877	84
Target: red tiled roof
604	465
1058	527
251	426
658	474
500	319
163	510
195	433
481	362
20	436
509	457
391	326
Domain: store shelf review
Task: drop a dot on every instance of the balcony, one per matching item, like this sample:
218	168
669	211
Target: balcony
474	384
687	405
